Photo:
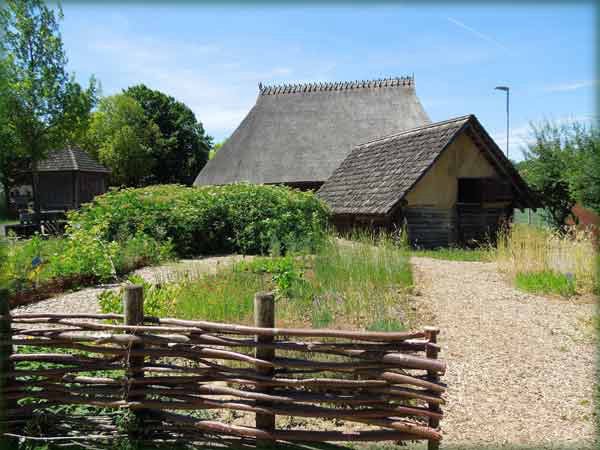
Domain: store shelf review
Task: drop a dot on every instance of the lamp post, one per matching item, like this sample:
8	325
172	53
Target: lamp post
507	90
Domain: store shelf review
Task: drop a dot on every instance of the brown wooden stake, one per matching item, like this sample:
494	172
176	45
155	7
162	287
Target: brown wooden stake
432	352
6	366
264	317
133	309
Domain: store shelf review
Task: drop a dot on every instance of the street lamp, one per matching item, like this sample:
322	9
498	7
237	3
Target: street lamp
507	90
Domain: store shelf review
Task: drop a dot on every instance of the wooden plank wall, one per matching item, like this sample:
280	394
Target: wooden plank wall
430	227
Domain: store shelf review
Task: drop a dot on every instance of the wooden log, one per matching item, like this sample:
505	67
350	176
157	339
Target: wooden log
6	367
397	378
68	316
288	435
264	317
296	400
133	309
201	327
262	331
432	352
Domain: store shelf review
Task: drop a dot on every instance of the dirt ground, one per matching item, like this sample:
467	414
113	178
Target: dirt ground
520	367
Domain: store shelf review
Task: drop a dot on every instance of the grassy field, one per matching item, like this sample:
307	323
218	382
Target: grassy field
344	285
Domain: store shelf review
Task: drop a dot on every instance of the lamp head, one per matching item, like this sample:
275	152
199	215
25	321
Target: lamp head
502	88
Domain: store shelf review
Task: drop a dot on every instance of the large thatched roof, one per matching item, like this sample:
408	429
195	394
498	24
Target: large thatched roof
301	133
377	175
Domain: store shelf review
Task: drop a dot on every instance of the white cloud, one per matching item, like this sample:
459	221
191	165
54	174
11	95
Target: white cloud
218	89
480	35
570	86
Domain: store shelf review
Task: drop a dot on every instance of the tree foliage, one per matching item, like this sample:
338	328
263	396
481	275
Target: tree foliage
563	165
124	139
183	147
43	107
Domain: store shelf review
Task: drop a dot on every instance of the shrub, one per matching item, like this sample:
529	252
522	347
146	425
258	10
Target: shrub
217	219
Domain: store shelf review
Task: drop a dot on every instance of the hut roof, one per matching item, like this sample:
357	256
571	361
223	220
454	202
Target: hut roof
70	159
377	175
301	133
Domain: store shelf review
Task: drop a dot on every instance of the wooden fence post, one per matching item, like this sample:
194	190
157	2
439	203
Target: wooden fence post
432	352
6	350
264	316
133	314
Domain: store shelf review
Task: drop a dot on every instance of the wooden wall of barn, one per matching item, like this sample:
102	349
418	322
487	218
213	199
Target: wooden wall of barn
465	225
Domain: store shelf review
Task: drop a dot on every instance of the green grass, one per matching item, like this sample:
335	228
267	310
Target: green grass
546	282
225	297
457	254
353	285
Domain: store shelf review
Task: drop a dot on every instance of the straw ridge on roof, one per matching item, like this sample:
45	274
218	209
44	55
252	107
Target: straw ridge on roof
335	85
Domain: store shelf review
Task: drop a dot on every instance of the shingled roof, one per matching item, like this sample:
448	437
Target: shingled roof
376	175
70	159
301	133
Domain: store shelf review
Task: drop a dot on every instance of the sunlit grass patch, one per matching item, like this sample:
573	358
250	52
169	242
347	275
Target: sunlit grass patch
546	282
524	250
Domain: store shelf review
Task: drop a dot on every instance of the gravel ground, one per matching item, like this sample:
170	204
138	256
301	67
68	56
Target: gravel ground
520	366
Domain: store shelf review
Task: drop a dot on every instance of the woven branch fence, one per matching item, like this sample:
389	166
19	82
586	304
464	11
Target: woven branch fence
386	383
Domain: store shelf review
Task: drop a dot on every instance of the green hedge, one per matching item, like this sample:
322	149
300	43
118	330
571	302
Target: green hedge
218	219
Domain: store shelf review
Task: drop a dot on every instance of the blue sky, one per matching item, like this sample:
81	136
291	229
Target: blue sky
212	58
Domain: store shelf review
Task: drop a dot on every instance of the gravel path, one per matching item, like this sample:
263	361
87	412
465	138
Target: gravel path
85	301
520	367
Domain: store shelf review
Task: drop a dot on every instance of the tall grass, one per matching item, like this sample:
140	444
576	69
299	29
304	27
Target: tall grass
349	284
525	250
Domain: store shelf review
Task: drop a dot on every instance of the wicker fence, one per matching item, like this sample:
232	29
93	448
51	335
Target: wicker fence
386	384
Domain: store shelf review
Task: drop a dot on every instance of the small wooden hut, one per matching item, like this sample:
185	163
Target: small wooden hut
69	177
446	182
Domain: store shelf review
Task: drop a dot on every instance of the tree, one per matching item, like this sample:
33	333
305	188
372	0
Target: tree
183	148
124	140
215	149
44	104
562	164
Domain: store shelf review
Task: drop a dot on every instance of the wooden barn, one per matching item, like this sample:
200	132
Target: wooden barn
299	134
374	156
69	177
446	182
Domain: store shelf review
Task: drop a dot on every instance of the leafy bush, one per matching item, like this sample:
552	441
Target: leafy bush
217	219
81	254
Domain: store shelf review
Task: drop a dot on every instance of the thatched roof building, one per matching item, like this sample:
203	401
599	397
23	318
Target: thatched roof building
299	134
447	182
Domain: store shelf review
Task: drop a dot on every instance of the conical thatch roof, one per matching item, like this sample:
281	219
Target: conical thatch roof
302	133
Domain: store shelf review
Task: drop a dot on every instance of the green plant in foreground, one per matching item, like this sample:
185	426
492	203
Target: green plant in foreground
159	300
547	282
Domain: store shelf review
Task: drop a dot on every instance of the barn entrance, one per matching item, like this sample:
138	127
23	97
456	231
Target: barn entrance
481	209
